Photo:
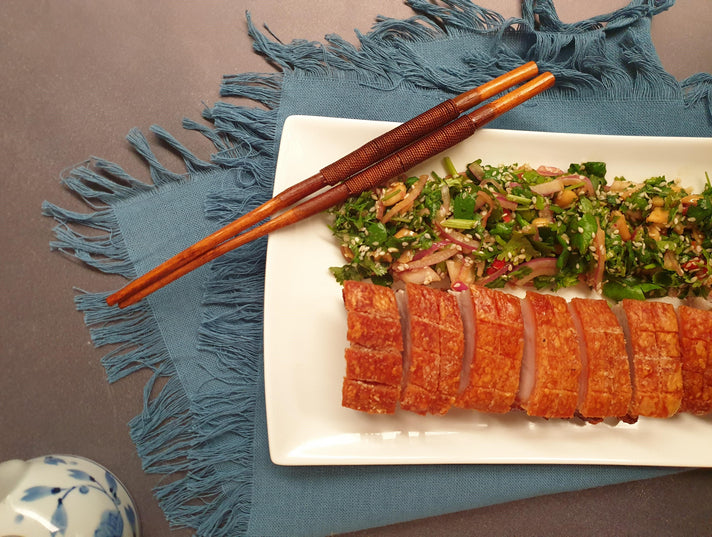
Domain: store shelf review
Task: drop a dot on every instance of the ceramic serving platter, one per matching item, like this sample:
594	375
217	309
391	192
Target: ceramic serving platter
305	324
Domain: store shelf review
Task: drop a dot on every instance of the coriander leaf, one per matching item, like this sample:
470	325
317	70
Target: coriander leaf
582	232
463	207
376	233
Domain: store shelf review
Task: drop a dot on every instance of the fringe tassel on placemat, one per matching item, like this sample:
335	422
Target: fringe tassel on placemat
165	432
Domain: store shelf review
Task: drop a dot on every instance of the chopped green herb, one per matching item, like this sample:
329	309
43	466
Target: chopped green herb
657	237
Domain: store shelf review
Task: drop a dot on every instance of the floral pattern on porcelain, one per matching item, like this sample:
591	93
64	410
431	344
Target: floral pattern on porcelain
65	496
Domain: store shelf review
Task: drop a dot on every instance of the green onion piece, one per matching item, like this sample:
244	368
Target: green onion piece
389	196
460	223
574	186
449	166
518	199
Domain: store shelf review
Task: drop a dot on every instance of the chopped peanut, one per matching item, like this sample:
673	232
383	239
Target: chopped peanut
541	222
654	232
692	198
405	257
619	186
347	253
658	216
403	232
621	225
565	198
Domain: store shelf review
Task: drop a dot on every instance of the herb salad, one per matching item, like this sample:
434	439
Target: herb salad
544	227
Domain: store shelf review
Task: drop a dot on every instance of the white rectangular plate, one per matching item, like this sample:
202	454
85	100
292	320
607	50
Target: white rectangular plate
305	324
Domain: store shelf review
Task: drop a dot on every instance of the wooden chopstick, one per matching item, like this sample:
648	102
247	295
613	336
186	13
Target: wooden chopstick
391	166
342	169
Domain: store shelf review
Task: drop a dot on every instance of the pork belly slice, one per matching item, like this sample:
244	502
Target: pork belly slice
452	346
651	332
495	335
434	343
696	353
551	363
604	386
373	319
374	300
383	367
421	356
369	397
374	360
371	332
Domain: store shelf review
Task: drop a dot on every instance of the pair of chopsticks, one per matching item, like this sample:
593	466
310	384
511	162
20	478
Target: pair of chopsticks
383	158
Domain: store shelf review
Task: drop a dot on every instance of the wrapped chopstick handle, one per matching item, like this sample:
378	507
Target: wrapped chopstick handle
423	124
394	139
403	160
445	137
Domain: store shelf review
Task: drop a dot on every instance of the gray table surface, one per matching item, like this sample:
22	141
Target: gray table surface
76	76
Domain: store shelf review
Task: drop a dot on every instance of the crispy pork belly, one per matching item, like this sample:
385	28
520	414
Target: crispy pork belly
651	332
369	397
452	342
604	385
374	361
696	351
551	363
384	367
373	332
421	357
491	367
373	320
434	344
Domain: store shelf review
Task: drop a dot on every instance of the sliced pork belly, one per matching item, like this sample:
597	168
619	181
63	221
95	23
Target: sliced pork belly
651	331
604	385
421	357
434	343
696	351
373	318
374	362
491	367
369	397
384	367
452	346
551	363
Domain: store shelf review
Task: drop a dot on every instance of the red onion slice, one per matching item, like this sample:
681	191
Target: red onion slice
549	171
422	276
548	188
424	253
540	266
504	269
459	286
575	179
468	245
426	261
507	204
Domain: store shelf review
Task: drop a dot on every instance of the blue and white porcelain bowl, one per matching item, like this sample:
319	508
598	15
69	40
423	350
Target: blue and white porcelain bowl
64	496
